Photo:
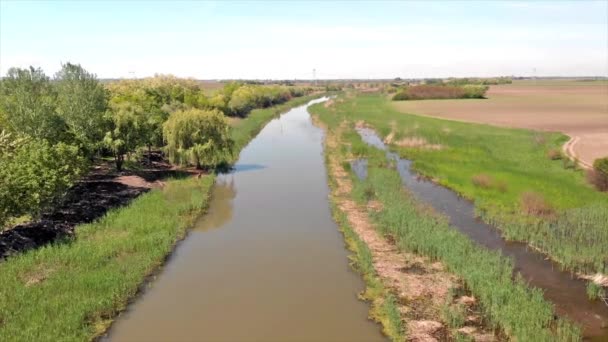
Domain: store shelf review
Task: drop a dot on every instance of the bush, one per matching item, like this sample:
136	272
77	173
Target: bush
422	92
482	181
34	174
598	176
198	137
533	203
554	154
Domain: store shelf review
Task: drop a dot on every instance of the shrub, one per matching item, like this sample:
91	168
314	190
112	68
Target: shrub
482	181
598	180
533	203
401	96
598	176
422	92
554	154
501	186
34	174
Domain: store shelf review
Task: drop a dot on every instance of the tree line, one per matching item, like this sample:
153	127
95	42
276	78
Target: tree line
52	129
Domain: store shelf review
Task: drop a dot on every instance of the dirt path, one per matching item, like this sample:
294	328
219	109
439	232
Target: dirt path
420	285
570	152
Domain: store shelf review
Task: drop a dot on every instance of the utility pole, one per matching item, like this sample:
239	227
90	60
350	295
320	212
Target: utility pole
314	76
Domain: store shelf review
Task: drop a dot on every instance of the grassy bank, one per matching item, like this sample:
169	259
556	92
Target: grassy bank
384	309
70	291
383	304
509	174
509	305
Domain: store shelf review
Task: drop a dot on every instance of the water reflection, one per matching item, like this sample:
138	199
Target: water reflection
220	206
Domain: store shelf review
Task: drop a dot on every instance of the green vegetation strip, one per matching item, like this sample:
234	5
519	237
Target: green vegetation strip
70	291
511	174
383	303
510	305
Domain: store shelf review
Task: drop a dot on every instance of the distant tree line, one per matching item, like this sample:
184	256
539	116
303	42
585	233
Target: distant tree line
425	92
52	129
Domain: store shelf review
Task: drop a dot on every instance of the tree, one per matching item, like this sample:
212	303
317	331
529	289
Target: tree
28	105
151	111
82	102
198	137
34	174
128	130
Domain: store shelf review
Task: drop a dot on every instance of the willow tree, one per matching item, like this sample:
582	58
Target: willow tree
198	137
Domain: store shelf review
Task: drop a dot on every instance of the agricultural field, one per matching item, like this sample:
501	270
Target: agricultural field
578	108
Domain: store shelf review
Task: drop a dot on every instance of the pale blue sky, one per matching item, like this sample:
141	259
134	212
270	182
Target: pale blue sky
275	39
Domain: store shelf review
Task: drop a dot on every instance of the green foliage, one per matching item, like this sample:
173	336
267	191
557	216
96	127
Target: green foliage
129	129
248	97
28	105
601	166
198	137
81	103
454	315
70	291
479	81
425	92
595	291
34	174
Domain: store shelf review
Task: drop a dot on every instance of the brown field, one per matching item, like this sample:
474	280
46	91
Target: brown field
576	108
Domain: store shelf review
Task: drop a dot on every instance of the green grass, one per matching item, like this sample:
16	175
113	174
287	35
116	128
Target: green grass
509	304
70	291
516	161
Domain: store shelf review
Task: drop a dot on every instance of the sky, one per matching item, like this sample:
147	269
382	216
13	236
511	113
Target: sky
288	39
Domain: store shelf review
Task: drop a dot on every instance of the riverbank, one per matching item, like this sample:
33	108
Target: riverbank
410	295
509	307
73	289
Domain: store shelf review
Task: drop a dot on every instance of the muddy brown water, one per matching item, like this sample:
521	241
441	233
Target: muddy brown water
266	263
567	293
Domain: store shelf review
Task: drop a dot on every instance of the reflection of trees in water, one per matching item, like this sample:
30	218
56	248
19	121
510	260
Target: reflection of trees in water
220	207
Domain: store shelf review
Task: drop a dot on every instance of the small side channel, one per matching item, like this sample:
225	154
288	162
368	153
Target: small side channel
567	293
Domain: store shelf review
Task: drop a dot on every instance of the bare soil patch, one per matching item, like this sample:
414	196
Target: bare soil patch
577	109
89	199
